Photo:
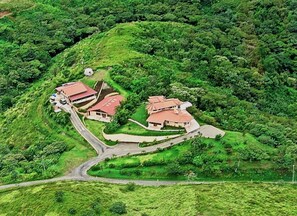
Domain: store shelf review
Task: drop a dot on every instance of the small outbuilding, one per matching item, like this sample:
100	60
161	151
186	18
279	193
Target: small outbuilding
89	72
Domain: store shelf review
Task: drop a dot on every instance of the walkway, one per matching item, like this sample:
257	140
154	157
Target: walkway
127	138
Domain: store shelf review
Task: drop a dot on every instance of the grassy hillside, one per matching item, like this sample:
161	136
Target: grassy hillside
87	198
225	57
31	125
234	157
116	48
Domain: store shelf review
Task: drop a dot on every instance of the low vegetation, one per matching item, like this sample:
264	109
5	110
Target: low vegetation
141	115
91	198
234	157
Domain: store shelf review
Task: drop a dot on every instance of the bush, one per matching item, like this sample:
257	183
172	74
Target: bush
96	167
96	206
174	169
59	196
72	211
131	165
149	163
137	172
118	208
218	137
111	166
130	186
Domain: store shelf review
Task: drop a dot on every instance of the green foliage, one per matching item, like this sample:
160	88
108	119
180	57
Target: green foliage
235	156
174	169
72	211
234	60
204	199
118	208
130	186
59	196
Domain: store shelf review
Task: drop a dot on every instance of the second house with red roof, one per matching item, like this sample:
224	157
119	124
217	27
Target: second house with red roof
105	109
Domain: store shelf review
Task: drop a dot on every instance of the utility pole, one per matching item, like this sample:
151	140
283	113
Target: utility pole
293	176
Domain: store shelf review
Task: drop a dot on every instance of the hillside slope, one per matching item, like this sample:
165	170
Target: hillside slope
237	69
87	198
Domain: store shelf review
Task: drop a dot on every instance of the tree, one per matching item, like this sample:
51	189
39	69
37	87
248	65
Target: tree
174	169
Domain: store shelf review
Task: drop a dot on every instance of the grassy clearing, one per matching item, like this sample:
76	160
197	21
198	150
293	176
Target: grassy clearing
96	128
141	115
191	200
156	165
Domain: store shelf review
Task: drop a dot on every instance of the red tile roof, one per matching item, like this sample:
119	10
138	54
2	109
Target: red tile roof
76	90
160	102
108	104
180	116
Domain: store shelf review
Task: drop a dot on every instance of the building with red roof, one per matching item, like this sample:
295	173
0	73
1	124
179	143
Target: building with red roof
77	92
105	109
171	112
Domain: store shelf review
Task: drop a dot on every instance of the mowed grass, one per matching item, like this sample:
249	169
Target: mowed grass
96	128
141	114
190	200
155	165
134	129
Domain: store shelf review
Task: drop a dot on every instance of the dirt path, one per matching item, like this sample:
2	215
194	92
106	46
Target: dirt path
4	14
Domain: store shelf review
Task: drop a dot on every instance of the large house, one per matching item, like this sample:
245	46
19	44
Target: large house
171	112
77	92
105	109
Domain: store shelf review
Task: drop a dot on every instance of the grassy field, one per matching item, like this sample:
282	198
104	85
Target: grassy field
156	165
190	200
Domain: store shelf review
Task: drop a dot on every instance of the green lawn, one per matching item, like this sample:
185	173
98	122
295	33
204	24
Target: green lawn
96	128
134	129
141	114
191	200
156	165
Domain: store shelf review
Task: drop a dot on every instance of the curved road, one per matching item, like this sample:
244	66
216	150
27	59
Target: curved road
104	151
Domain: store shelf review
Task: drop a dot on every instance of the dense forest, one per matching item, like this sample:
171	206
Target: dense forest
236	61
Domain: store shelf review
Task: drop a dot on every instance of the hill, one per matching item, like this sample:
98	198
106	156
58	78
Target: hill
87	198
239	75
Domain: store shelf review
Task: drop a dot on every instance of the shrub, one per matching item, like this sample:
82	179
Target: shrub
137	172
118	208
59	196
131	165
96	206
218	137
111	166
130	186
125	172
148	163
72	211
96	167
174	169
